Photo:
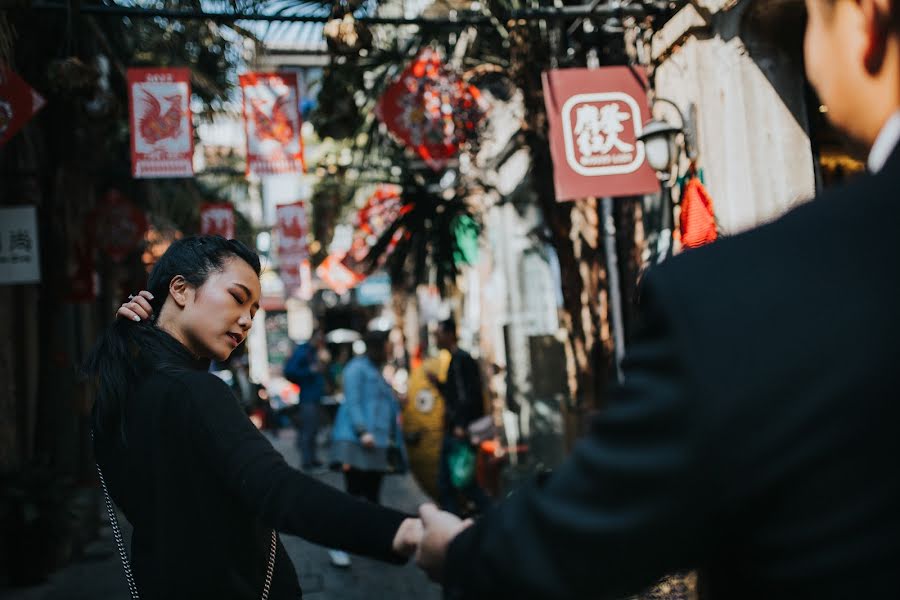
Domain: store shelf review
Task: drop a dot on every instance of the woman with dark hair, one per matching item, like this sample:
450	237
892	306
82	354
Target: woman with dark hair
203	488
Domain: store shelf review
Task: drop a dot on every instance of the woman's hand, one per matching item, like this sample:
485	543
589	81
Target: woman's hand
137	308
367	440
408	536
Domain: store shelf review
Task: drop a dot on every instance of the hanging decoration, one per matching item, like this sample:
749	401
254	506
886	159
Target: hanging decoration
383	208
272	122
429	232
291	226
337	276
431	109
162	140
217	219
18	104
117	225
698	217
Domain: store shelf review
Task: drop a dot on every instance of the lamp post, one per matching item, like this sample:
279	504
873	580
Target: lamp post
663	144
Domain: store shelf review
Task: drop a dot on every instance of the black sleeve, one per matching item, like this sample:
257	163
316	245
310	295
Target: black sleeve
629	505
282	497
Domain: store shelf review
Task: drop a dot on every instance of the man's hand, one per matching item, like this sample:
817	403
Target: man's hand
407	538
367	440
137	308
439	530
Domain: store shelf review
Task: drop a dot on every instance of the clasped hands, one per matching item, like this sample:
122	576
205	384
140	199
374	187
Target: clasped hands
427	538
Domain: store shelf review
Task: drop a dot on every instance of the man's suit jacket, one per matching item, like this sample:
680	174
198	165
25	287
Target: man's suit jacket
756	436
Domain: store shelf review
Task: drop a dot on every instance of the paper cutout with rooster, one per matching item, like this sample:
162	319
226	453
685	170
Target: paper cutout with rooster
162	140
272	121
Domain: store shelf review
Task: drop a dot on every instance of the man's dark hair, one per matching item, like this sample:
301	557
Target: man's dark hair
448	325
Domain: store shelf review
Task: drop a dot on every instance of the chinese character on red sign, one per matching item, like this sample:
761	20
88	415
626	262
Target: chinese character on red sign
596	116
431	109
217	219
272	121
162	139
18	103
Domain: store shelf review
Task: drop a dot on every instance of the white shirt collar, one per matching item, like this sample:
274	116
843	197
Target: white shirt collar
885	143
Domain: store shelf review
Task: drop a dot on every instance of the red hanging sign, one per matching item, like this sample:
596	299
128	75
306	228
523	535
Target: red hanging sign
337	276
380	212
431	109
291	225
162	140
18	103
272	122
118	226
595	117
217	219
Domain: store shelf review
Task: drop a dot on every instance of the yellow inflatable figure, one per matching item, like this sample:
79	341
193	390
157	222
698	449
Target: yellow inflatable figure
423	421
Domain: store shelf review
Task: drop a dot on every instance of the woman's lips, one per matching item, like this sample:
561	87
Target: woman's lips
235	339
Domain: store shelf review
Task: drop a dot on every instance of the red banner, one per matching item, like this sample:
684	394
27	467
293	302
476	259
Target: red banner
291	225
18	103
272	121
117	225
431	109
595	117
217	219
162	139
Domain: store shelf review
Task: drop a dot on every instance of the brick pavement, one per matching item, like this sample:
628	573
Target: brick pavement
99	576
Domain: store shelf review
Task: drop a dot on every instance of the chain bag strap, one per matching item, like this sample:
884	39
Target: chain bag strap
123	555
117	534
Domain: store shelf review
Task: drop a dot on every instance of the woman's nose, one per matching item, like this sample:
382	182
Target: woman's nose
245	321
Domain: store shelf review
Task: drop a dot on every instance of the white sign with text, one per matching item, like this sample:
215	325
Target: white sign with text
19	257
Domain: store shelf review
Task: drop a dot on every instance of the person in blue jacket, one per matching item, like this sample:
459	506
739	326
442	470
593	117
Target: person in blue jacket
305	368
367	441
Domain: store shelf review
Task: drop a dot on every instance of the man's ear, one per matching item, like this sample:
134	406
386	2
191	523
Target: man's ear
180	290
877	15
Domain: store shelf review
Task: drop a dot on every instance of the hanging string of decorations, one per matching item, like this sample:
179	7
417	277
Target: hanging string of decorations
637	9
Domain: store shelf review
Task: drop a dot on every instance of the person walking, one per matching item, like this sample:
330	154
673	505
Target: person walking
740	443
205	491
367	441
464	404
305	368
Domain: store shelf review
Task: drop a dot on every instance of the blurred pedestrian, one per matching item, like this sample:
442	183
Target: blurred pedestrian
740	442
306	367
367	441
204	490
463	405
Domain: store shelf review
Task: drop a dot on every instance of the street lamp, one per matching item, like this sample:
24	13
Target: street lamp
663	146
660	146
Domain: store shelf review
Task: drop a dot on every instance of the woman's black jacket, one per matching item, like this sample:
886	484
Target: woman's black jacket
204	488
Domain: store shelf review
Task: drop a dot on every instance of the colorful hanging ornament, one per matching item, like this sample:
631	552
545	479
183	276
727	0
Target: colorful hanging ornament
431	109
698	218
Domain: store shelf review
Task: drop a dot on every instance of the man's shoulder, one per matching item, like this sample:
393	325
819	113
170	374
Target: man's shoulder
804	242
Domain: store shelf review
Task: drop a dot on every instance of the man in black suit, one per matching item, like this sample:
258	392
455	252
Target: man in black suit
755	436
